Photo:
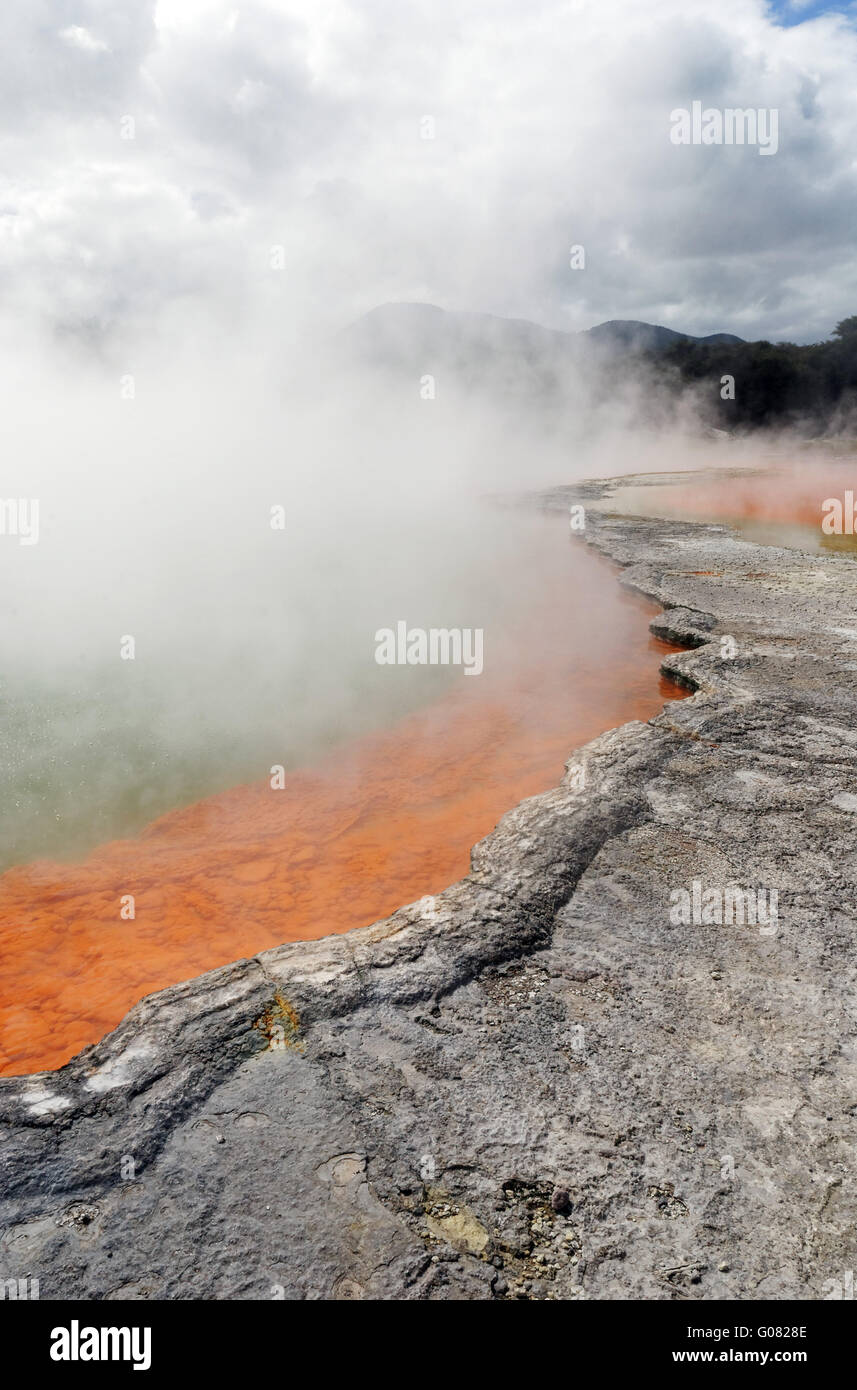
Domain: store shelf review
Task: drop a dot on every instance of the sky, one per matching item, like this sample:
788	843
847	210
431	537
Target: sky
791	12
293	163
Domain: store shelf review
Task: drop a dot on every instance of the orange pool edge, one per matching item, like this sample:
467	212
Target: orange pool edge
379	824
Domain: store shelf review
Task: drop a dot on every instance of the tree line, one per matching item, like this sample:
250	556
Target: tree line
812	388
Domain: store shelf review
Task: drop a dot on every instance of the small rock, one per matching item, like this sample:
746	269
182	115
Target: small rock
560	1200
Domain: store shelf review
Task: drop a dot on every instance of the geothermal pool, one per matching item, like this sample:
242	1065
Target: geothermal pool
379	821
780	506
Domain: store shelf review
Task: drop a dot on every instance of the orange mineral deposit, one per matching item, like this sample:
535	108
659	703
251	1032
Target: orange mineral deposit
380	822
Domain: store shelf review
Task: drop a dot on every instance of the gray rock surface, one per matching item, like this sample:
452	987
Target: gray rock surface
534	1085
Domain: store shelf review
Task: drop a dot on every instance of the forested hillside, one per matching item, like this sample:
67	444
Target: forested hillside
813	387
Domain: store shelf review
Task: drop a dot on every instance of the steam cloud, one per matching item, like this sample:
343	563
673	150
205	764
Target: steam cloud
165	161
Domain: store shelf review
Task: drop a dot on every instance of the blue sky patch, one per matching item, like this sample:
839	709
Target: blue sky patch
788	13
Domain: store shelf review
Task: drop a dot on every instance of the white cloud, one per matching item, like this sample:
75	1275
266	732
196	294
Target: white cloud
297	123
81	38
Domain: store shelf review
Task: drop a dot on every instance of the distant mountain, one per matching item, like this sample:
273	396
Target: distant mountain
635	336
811	388
418	334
